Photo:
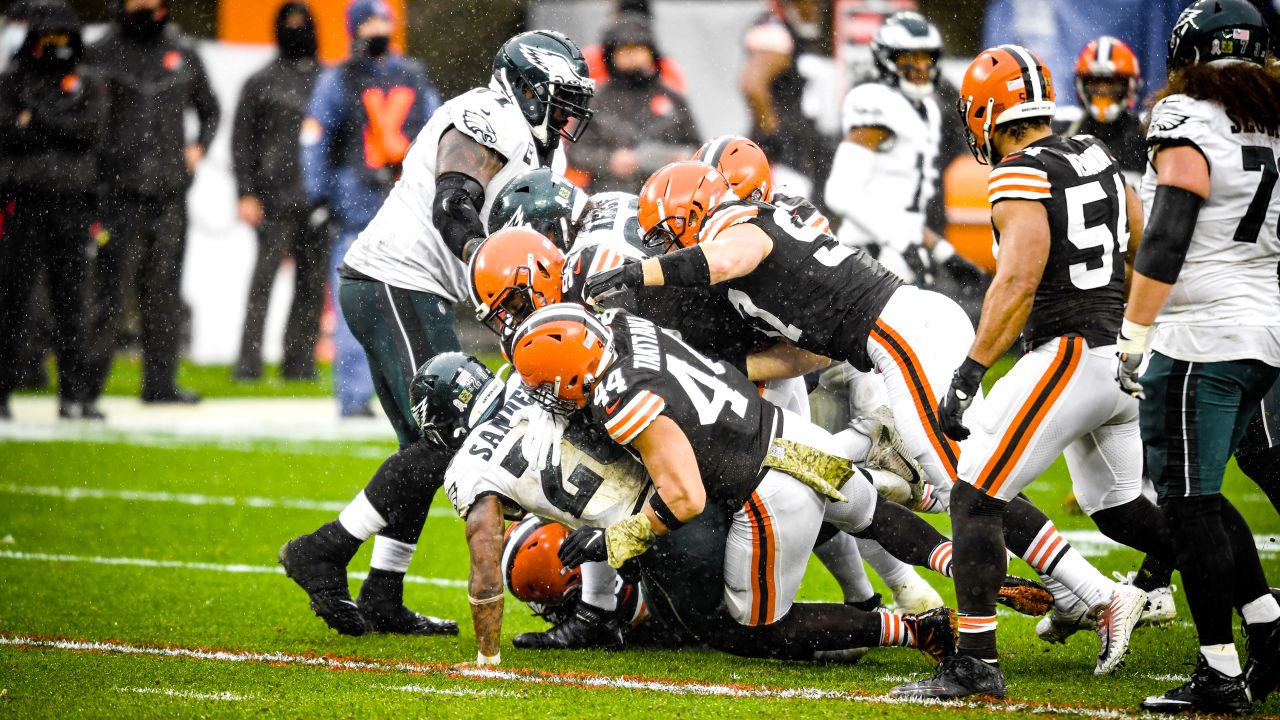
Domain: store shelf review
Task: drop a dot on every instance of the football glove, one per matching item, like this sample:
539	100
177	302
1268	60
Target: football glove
1131	345
542	434
965	384
584	545
606	284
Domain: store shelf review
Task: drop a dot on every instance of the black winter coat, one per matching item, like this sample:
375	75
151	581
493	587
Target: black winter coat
53	150
264	139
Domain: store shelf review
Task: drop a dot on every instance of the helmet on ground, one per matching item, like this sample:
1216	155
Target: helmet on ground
542	200
1107	78
531	567
1211	30
544	74
1001	85
743	165
559	352
903	33
677	199
452	393
514	272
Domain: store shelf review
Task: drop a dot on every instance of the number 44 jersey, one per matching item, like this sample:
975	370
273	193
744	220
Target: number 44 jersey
1225	304
1079	183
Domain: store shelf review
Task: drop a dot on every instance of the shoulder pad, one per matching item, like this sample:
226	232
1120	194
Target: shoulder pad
872	104
490	119
1020	176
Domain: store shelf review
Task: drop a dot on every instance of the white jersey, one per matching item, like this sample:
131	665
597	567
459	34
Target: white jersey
890	206
598	483
1225	304
401	246
612	220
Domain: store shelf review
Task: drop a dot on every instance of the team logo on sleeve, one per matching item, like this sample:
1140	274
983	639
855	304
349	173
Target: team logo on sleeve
479	126
1167	121
558	68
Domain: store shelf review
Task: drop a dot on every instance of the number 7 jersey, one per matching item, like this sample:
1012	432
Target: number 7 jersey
1078	181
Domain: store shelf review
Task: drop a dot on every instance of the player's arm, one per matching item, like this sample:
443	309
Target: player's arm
1024	249
464	168
783	360
1133	205
851	171
762	67
669	459
484	540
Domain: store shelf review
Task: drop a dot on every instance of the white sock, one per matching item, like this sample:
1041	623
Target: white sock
360	519
891	570
1222	658
1063	599
391	555
1263	610
841	558
1051	554
597	585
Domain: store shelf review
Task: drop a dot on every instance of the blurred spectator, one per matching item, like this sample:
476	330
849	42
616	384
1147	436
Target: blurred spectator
670	72
774	88
14	31
359	123
640	124
50	130
1108	81
153	76
264	148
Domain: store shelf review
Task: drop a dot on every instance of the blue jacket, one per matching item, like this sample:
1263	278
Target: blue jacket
350	166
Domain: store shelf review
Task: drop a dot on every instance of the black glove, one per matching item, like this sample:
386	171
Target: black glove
584	545
964	388
606	284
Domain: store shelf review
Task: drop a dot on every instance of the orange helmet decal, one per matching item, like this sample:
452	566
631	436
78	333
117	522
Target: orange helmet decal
742	163
559	352
514	272
1002	84
531	566
1107	59
677	199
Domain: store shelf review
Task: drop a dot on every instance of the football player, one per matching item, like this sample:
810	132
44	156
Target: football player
1052	197
1205	277
1108	80
800	285
398	283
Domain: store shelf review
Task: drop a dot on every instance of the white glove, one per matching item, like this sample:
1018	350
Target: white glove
1131	345
542	434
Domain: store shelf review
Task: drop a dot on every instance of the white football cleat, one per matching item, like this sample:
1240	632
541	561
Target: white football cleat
1116	620
915	596
1160	609
1057	626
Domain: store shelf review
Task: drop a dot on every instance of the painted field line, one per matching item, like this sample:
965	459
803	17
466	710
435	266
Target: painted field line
573	680
184	694
207	567
452	692
248	501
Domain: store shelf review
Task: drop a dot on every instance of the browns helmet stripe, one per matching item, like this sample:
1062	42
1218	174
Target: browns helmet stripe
716	148
1104	49
1032	72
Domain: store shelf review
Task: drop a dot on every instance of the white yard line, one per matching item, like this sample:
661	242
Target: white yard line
184	694
208	567
668	687
453	692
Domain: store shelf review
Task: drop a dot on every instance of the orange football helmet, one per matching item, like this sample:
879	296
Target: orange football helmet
559	351
677	199
742	163
1003	84
531	566
1107	78
514	272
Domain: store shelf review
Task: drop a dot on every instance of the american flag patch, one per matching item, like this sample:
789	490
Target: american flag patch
1240	34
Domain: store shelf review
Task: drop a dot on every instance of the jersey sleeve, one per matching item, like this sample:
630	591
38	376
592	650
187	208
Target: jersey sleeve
487	117
803	210
625	408
726	216
1178	120
1018	177
871	105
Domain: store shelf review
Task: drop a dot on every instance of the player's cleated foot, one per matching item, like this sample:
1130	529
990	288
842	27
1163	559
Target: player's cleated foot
325	583
934	632
1160	608
1023	596
1116	621
915	596
1058	625
1208	691
871	604
1262	669
958	676
400	620
587	627
888	451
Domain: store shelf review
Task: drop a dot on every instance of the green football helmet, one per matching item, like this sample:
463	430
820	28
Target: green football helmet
550	67
452	393
542	200
1210	30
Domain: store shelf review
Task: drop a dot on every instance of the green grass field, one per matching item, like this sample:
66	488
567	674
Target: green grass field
140	582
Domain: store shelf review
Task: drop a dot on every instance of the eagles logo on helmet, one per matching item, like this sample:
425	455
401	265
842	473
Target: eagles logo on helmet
544	74
543	200
452	393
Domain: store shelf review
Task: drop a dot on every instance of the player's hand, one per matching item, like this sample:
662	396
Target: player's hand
542	434
606	284
964	388
584	545
1131	345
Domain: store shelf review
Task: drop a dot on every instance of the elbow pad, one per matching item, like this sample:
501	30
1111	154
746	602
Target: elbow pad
1168	236
456	212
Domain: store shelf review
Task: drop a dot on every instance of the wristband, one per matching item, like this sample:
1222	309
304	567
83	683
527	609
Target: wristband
685	268
484	601
664	513
1133	337
494	659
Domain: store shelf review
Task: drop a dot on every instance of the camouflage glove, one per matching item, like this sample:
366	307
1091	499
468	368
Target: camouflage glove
823	472
628	538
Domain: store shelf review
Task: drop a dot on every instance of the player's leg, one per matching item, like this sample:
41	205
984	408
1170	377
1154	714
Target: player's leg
840	554
1258	453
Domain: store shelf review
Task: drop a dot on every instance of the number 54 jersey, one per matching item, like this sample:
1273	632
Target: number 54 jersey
1078	181
1225	304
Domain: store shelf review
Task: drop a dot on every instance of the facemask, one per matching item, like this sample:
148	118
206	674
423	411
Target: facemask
297	42
376	46
144	23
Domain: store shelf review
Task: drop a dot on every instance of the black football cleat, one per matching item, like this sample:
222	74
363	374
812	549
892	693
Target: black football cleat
1023	596
400	620
1262	669
934	632
871	604
589	627
325	583
1208	691
958	676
